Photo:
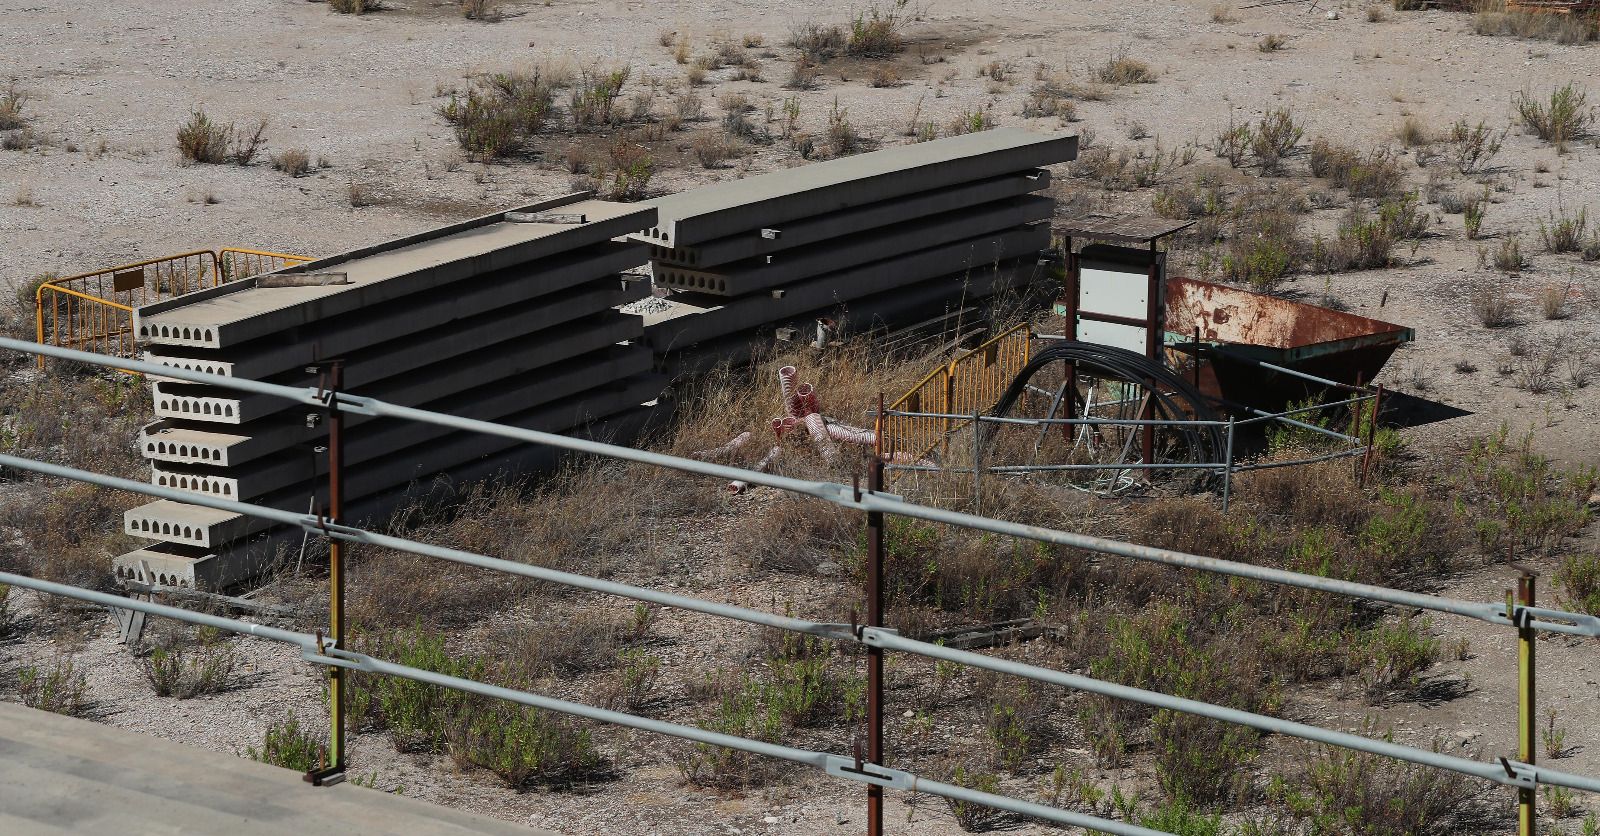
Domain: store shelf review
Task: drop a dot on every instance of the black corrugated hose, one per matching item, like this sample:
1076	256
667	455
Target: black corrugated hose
1173	397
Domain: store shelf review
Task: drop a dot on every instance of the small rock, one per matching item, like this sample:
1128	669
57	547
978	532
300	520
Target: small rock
829	569
1333	14
770	819
909	714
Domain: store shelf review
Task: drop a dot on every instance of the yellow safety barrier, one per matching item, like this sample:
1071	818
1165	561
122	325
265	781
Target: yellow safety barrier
94	311
969	383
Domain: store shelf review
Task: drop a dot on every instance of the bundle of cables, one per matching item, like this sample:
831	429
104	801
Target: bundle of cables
1171	398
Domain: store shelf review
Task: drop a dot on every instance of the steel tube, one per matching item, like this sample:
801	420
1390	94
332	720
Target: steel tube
832	764
1274	725
835	493
875	654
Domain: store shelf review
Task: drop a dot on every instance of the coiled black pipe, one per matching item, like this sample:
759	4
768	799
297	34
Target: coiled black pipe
1172	397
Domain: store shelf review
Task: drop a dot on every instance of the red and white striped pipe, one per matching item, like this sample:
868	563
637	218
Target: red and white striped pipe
786	377
739	485
820	437
735	443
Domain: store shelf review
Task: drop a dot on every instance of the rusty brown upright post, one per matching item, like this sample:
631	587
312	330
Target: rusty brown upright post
336	678
1372	435
875	654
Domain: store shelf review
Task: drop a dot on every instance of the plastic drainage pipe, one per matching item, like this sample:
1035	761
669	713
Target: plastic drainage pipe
786	377
739	485
852	435
804	398
820	437
735	443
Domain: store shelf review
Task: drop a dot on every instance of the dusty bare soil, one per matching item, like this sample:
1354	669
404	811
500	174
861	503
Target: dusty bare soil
109	84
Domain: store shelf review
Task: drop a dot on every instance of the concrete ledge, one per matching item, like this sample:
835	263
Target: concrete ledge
61	775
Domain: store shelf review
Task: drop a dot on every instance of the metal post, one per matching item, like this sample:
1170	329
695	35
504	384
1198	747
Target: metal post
337	690
1227	468
1525	702
1154	333
977	467
1372	435
875	654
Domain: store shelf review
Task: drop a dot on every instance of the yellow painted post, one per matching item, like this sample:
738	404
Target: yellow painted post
1525	704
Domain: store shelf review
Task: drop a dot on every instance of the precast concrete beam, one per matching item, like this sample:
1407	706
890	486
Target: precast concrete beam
806	231
175	565
761	309
234	447
413	378
747	277
380	438
170	441
251	313
207	528
771	200
431	326
902	306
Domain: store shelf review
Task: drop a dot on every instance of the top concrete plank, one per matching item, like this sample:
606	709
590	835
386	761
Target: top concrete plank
61	775
240	311
769	200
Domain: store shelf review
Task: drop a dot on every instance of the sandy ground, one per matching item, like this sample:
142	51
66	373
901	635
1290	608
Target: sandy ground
361	91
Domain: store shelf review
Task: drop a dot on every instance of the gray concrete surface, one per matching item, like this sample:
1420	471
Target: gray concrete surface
770	200
60	775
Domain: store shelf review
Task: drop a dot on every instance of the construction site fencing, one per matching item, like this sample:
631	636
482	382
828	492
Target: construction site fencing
941	403
94	311
1517	612
1361	405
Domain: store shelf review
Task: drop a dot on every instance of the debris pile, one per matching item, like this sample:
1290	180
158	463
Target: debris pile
801	408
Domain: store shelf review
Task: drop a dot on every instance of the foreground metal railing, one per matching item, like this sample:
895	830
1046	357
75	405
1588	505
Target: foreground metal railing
329	650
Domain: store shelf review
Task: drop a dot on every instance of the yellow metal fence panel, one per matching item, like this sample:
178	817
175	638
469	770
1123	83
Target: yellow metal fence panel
94	311
970	383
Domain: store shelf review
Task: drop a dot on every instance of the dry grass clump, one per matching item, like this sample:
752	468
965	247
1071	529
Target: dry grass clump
713	149
1564	233
1272	43
1412	132
1263	243
1223	13
1490	17
356	7
1366	240
1553	299
201	140
1473	147
1492	305
295	162
12	100
796	535
1374	174
500	113
484	10
875	32
1564	117
817	43
1122	68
